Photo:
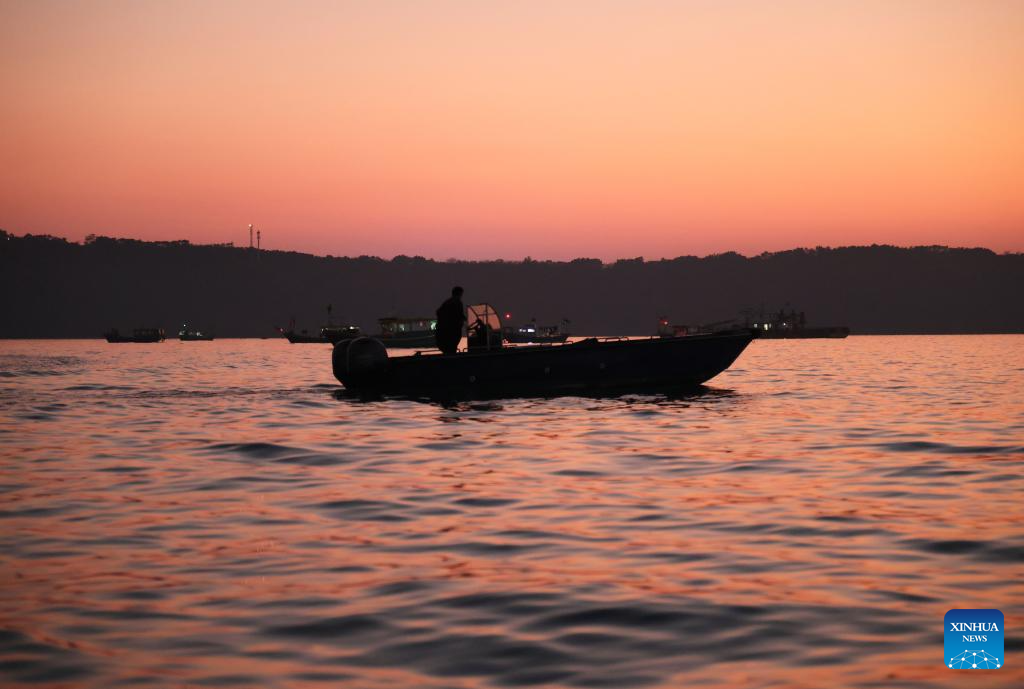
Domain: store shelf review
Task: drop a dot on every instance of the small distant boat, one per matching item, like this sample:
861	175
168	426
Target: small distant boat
793	326
488	369
303	337
667	329
337	333
138	335
408	332
531	333
329	334
187	335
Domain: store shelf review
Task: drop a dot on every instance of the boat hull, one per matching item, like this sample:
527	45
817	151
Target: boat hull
586	366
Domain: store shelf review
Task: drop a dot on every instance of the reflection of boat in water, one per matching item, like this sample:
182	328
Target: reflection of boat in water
329	334
487	369
408	332
186	335
138	335
531	333
793	326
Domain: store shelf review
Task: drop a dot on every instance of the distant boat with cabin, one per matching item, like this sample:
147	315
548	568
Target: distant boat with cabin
328	334
408	333
790	325
531	333
668	329
139	335
187	334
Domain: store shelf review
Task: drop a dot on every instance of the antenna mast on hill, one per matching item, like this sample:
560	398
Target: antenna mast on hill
250	235
257	240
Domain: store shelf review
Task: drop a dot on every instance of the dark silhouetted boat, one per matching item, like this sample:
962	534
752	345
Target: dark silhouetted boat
410	333
487	369
531	333
138	335
337	333
329	334
303	337
188	335
667	329
793	326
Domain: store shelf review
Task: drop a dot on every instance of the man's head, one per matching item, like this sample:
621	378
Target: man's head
456	291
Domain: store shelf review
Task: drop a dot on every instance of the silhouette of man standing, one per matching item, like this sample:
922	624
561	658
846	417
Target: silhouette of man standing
450	317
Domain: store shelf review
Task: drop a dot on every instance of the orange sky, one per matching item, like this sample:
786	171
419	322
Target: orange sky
551	129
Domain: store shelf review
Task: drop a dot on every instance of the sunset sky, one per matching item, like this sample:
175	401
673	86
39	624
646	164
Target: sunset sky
499	130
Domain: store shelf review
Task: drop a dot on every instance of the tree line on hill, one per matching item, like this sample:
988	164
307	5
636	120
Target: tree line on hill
52	287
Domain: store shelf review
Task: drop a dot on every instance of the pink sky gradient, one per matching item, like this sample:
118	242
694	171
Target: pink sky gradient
501	130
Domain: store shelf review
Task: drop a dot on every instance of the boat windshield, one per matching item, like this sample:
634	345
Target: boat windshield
483	327
486	314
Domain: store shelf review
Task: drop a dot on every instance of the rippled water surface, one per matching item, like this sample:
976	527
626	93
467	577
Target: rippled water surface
212	514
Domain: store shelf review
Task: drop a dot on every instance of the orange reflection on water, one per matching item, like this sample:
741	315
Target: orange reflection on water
214	514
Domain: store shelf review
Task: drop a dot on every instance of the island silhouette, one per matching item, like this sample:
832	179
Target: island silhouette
52	287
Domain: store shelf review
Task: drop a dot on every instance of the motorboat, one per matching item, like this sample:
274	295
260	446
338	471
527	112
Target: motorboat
790	325
488	369
328	334
416	333
144	335
187	334
531	333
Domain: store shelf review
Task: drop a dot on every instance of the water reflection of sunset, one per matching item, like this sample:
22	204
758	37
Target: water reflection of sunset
214	513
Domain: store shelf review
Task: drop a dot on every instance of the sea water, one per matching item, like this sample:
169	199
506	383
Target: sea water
215	514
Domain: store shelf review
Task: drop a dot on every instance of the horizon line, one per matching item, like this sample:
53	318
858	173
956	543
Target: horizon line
91	238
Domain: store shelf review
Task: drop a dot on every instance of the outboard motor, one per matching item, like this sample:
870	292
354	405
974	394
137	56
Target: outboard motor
360	362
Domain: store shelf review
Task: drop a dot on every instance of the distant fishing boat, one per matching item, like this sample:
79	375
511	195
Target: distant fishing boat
667	329
407	332
188	335
145	335
303	337
336	333
329	334
793	326
487	369
531	333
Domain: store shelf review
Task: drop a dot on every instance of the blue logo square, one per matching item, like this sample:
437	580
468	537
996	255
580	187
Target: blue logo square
974	640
